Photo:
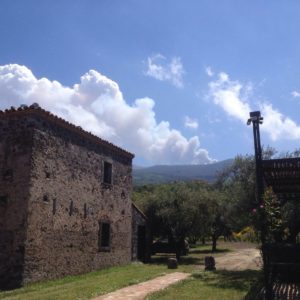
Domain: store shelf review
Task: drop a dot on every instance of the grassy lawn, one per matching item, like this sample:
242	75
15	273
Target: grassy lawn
87	286
219	285
202	285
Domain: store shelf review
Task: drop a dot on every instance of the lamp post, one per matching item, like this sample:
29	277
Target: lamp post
256	120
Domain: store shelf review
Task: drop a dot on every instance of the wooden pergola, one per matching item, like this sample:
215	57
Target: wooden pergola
283	175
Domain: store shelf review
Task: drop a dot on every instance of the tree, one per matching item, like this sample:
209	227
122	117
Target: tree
180	210
220	217
237	183
177	210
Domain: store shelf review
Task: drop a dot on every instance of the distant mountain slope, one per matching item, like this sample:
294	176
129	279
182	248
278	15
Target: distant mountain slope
166	173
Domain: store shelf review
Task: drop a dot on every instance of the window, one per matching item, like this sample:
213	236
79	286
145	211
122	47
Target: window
3	200
104	236
85	211
107	173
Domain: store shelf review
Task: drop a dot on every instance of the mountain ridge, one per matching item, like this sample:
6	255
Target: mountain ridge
166	173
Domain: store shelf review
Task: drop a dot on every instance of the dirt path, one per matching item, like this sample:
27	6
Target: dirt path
141	290
240	259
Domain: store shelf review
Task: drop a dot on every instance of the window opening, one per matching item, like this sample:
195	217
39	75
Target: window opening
107	173
3	200
104	236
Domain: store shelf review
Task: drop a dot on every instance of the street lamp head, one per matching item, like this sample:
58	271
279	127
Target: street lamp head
255	116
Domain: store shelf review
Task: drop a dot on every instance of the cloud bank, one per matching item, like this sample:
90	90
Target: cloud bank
159	69
233	97
97	105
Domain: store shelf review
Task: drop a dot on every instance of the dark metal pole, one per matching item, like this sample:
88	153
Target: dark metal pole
258	162
256	119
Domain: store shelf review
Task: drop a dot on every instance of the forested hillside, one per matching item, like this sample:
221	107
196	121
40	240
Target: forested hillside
168	173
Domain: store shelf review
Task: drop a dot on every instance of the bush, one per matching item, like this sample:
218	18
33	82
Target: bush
247	234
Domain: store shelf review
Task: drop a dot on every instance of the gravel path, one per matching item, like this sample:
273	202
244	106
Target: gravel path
241	259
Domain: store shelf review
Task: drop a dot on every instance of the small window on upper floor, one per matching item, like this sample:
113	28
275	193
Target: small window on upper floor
107	173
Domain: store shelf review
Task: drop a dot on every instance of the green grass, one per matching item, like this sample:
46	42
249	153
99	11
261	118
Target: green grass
87	286
202	285
219	285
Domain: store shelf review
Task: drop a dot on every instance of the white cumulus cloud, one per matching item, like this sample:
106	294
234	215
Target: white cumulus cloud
97	105
233	98
190	123
160	69
277	125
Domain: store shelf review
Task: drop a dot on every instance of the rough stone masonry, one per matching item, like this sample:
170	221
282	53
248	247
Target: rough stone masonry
65	199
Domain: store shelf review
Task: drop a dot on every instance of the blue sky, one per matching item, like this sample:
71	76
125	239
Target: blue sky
171	81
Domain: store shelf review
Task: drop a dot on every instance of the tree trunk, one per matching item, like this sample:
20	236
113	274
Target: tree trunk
193	240
214	243
177	254
203	241
179	248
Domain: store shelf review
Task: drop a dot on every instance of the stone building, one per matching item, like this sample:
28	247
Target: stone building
65	199
140	235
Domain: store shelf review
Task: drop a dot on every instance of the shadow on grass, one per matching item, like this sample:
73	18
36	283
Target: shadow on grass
208	251
195	257
184	260
238	280
191	260
255	291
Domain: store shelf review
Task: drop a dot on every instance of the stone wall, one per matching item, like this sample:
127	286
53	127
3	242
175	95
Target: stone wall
67	201
15	162
140	236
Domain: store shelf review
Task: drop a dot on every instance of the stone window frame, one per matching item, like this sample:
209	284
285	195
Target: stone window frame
107	163
107	246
